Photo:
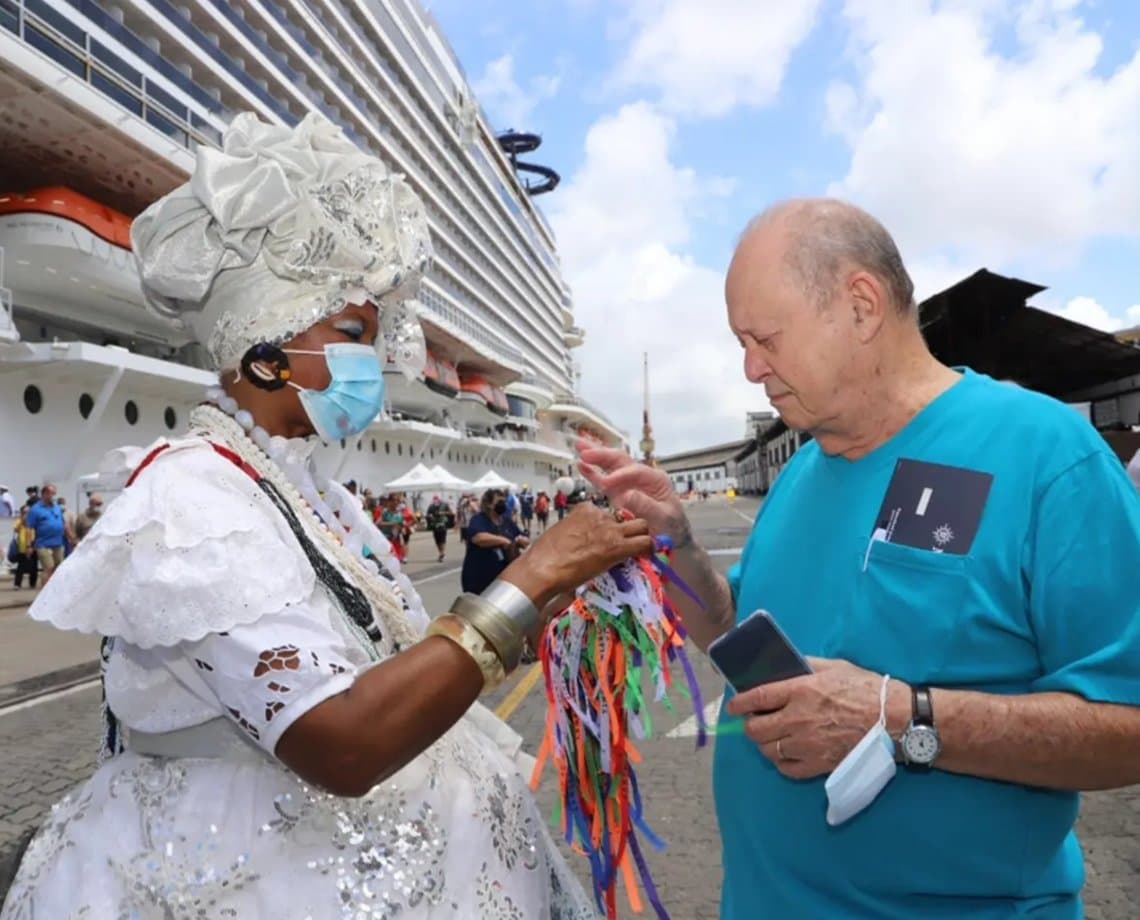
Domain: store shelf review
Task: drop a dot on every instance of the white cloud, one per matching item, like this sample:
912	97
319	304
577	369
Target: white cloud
622	245
707	57
981	156
1090	312
508	102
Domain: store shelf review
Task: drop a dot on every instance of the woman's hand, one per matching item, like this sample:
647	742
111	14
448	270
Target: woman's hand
640	489
586	543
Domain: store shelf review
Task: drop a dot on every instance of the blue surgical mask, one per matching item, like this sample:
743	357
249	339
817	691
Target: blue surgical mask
353	397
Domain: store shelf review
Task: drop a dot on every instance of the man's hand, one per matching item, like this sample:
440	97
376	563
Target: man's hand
646	492
807	725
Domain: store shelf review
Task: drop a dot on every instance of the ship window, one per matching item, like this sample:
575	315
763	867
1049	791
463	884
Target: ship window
360	444
33	399
86	404
343	445
131	411
373	445
170	417
387	447
399	450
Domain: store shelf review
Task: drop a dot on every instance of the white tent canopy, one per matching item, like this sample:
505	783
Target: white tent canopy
418	478
448	481
492	480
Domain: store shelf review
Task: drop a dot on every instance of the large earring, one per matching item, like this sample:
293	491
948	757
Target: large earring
266	366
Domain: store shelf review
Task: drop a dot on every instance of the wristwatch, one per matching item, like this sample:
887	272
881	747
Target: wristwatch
920	743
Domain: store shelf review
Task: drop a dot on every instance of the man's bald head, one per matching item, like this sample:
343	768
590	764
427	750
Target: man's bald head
823	236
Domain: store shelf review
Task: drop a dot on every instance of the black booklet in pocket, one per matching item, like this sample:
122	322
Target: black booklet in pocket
933	507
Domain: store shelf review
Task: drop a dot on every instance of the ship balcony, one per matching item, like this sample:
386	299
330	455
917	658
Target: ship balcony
532	388
107	368
575	336
578	412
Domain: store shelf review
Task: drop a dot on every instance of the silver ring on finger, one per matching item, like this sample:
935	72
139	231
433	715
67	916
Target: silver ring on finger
780	750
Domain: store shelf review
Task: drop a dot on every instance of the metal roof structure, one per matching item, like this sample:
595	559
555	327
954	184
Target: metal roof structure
985	323
705	456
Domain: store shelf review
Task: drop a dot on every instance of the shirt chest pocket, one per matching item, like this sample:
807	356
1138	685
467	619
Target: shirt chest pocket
903	611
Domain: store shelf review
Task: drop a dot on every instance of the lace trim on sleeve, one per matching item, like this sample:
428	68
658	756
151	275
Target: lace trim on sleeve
192	547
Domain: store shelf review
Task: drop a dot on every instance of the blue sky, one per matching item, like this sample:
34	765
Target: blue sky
1003	133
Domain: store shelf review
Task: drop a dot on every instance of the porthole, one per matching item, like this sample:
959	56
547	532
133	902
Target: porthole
131	411
33	399
170	417
86	404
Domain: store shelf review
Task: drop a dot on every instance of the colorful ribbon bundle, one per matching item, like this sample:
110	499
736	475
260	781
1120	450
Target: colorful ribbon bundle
598	657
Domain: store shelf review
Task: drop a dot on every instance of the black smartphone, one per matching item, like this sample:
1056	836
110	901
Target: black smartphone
756	652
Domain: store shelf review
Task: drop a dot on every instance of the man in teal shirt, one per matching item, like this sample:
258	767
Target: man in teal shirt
975	541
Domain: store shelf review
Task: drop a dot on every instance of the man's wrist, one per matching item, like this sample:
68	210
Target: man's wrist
898	708
683	540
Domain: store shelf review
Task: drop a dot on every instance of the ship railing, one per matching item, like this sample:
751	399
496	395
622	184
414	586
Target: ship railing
72	47
458	319
589	407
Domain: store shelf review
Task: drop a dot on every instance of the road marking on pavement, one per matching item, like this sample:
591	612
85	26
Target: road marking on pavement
747	517
437	576
49	697
688	728
730	551
511	701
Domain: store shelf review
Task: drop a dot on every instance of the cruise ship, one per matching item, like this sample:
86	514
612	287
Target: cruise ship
103	106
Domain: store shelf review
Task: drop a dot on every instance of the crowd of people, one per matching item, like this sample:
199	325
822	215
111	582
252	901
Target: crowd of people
44	531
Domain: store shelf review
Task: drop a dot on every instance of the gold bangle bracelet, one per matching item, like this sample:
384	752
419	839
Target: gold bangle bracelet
501	632
468	638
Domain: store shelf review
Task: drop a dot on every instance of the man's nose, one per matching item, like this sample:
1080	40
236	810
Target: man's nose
756	368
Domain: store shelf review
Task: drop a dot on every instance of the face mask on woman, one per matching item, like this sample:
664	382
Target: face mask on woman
354	395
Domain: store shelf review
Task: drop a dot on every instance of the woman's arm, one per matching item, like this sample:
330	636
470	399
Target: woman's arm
393	711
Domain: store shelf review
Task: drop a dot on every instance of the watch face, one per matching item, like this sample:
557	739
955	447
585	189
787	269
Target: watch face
921	744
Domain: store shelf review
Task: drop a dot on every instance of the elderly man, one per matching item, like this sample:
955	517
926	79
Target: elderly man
977	542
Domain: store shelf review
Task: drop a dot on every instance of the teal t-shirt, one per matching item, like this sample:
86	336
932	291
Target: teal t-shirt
1046	600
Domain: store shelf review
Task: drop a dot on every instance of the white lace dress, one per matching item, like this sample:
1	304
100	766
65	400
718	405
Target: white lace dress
216	612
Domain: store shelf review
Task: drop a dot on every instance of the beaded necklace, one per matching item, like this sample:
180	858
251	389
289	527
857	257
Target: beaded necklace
253	445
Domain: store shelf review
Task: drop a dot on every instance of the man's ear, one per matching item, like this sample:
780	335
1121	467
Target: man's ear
869	304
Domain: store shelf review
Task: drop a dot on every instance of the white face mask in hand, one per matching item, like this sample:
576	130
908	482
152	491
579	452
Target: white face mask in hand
863	773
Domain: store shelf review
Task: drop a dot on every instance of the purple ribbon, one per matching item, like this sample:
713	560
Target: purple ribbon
698	704
667	571
647	879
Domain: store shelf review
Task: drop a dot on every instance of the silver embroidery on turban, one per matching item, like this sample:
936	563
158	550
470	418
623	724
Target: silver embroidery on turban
278	230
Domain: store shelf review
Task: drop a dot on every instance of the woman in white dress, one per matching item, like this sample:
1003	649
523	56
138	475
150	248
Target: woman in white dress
287	736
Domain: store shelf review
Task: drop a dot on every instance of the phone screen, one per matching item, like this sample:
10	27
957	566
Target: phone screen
756	652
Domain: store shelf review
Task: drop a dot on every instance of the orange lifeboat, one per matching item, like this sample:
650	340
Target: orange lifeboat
104	222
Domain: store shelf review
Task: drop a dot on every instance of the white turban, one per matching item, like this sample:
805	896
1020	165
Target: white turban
280	229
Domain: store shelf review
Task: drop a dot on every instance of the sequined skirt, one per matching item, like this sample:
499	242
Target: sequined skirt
455	834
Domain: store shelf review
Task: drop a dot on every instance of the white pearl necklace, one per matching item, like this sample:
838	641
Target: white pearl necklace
290	474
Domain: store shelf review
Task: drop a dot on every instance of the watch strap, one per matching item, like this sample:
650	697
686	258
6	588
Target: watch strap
922	707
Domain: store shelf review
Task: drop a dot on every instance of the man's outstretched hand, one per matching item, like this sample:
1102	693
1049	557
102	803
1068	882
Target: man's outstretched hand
642	490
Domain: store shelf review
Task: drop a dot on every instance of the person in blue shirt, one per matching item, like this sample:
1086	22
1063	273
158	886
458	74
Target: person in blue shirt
45	517
493	541
975	541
